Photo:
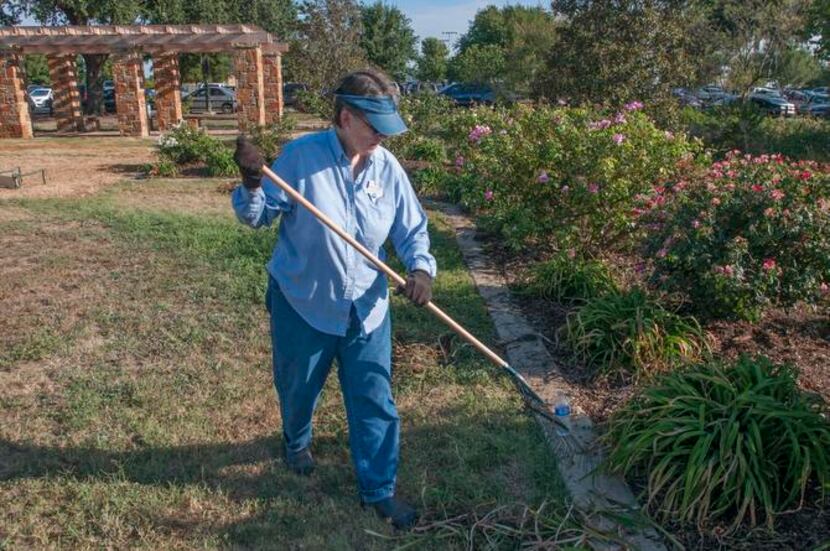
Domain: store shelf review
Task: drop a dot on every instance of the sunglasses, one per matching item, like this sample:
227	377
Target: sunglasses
360	116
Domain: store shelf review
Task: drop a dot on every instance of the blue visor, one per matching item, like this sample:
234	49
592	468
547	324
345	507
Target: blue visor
380	111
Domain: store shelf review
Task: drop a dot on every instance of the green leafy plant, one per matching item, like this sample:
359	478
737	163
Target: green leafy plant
541	174
722	444
746	234
185	146
567	279
630	333
270	138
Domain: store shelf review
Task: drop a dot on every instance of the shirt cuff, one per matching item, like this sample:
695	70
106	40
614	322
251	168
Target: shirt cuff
423	265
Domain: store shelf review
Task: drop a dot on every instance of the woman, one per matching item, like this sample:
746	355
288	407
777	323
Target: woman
326	301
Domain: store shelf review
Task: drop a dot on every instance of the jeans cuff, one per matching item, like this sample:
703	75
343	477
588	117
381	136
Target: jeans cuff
373	496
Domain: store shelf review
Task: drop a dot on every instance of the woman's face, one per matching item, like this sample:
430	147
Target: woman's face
359	135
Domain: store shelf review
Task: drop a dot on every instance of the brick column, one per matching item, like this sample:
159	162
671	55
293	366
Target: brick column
272	78
66	104
168	94
14	113
128	76
250	93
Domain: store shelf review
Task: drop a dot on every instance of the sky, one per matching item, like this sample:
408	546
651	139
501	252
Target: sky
436	17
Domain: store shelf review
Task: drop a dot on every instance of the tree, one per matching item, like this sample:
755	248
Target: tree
616	51
818	27
387	38
480	64
326	44
524	35
796	67
37	70
753	35
432	65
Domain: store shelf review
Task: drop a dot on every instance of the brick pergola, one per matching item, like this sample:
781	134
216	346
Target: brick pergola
256	64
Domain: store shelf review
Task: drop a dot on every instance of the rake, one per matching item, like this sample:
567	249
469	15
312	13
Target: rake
530	398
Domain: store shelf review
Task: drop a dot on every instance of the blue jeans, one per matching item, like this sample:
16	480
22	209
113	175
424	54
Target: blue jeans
302	360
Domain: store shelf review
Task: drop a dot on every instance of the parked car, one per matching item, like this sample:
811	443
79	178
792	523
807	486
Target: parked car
812	101
221	99
418	87
687	98
469	94
290	90
818	108
773	104
710	93
40	100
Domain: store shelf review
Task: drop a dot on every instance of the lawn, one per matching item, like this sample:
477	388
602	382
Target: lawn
137	406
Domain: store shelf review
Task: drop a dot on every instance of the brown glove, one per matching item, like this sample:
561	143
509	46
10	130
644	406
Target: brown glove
250	162
418	287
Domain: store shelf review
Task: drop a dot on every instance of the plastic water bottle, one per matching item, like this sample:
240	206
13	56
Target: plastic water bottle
562	412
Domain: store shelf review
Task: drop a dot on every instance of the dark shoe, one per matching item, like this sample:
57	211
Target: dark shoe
402	515
300	462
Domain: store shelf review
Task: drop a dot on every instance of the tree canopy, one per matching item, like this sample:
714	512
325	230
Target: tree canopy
432	64
387	38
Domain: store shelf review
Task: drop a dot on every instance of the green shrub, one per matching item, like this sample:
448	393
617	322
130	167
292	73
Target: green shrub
750	130
316	104
270	139
748	233
630	334
568	176
184	146
723	444
567	279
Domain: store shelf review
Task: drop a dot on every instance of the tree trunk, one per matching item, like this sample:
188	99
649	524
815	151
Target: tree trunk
94	83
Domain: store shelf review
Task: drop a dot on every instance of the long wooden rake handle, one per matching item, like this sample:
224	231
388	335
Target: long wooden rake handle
524	388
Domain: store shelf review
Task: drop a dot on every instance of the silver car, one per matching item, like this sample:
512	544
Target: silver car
221	99
40	100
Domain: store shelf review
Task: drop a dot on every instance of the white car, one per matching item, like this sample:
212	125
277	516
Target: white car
40	100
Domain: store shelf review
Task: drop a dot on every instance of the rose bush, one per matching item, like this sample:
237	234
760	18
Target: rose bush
745	234
558	175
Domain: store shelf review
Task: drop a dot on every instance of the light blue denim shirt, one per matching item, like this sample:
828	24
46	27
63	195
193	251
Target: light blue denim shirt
319	273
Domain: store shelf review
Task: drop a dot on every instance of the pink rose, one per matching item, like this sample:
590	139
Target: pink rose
715	201
593	188
459	161
777	194
769	264
565	189
488	195
619	138
543	177
769	212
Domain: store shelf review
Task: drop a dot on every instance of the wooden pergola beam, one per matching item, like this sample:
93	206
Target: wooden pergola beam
143	38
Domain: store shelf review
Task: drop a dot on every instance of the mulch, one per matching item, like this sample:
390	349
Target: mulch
799	336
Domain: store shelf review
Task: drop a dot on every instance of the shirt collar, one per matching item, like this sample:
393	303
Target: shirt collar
340	153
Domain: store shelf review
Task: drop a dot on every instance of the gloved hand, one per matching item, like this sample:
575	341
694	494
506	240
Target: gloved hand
418	287
250	162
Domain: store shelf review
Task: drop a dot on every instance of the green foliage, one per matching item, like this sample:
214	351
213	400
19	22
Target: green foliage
615	52
432	64
796	67
567	279
630	334
426	116
326	45
316	103
559	175
734	127
387	38
721	444
37	71
483	64
517	38
185	146
749	233
270	139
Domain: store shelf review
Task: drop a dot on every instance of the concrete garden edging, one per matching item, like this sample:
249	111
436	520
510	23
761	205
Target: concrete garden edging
599	496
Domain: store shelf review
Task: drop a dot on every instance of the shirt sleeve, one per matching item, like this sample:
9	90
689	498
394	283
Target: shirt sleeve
409	230
259	207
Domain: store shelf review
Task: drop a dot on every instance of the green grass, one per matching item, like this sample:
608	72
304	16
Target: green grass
137	406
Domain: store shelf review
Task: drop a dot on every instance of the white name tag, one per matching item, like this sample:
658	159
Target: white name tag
374	190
